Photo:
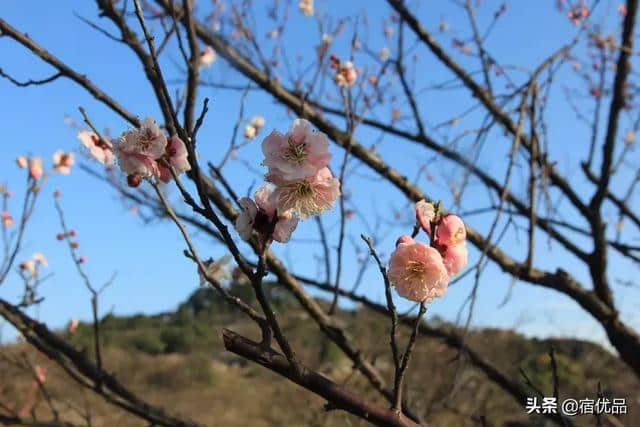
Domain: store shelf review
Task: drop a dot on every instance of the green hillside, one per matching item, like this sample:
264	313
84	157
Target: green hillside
177	360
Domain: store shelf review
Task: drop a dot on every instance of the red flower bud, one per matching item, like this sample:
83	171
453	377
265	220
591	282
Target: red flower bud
134	180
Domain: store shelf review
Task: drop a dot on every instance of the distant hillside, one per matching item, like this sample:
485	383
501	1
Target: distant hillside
176	359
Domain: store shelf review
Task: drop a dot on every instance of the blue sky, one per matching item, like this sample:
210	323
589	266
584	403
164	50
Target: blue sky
152	275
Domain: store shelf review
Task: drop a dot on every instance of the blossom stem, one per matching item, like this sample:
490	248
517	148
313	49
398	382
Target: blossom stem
256	282
406	357
235	301
397	395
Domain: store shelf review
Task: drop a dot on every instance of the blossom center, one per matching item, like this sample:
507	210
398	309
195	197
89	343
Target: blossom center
98	142
458	236
146	138
415	270
296	153
303	189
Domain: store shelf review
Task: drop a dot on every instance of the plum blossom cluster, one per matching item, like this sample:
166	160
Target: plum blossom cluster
346	74
299	184
253	128
421	272
62	163
578	13
30	267
146	152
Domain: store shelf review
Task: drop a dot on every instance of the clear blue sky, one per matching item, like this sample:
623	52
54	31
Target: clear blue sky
152	274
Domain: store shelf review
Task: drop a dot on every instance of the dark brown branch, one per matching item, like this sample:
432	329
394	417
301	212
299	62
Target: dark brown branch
337	396
83	370
486	98
66	71
598	264
192	67
9	420
618	101
29	82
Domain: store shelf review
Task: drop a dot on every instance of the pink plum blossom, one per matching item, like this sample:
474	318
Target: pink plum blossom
72	325
299	154
622	9
138	165
257	122
405	240
451	231
207	57
455	258
417	272
22	162
246	219
35	168
138	149
629	137
309	196
425	214
62	162
148	140
102	151
261	212
40	374
40	259
7	219
346	74
29	266
287	221
306	7
265	200
250	131
177	155
578	13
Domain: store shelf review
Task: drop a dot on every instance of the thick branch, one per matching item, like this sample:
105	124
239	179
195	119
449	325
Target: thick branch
66	71
337	396
618	101
82	369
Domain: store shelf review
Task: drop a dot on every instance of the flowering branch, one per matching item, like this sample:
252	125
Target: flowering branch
400	360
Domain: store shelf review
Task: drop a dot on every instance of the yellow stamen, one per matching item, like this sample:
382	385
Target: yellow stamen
415	271
296	153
